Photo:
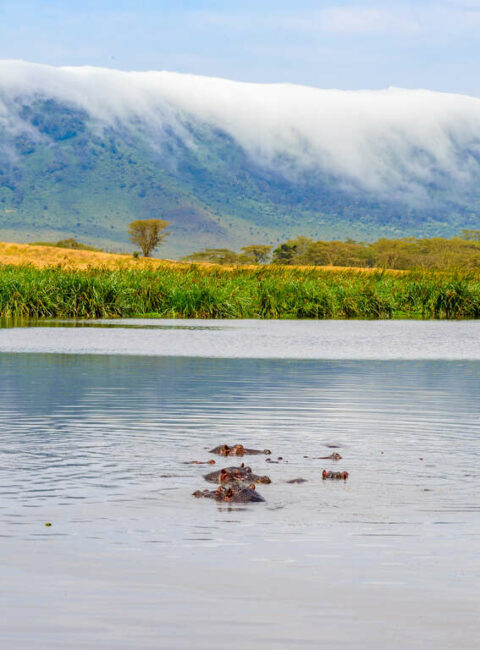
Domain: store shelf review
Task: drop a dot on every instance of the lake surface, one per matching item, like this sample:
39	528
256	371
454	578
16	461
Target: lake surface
251	338
96	445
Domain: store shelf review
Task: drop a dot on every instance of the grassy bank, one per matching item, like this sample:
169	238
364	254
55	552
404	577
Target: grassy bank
215	292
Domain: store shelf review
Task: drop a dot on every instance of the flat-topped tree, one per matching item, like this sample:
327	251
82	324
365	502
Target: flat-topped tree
148	234
257	252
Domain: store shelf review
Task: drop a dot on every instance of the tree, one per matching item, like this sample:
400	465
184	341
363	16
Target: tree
258	253
215	256
148	234
284	254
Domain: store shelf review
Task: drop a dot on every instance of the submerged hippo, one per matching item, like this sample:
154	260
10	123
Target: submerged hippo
238	450
236	475
199	462
236	494
334	456
334	475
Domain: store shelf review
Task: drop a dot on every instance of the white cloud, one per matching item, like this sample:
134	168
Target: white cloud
392	140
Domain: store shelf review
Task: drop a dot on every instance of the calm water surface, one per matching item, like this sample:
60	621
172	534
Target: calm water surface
96	445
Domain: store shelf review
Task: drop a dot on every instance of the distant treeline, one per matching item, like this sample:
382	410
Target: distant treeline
71	243
271	291
410	253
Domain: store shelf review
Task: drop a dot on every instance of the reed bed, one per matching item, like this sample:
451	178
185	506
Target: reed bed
215	292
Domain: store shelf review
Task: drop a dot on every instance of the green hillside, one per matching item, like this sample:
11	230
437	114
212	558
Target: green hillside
62	175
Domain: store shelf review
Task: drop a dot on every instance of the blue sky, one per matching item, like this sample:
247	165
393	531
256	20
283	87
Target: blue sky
362	44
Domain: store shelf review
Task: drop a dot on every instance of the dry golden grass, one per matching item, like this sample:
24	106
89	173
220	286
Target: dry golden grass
66	258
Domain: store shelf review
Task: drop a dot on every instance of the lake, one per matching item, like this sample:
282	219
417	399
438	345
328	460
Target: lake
98	420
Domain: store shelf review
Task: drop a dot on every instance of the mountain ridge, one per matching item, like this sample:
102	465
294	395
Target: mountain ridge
83	151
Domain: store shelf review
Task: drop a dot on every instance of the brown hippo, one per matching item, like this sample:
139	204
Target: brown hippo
334	475
235	475
236	494
334	456
237	450
199	462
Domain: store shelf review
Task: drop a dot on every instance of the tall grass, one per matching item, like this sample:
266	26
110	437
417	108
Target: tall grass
214	292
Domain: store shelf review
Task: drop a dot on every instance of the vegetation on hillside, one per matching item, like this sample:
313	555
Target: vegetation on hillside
202	291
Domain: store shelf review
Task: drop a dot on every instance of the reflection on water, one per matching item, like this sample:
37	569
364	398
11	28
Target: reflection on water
130	323
455	340
96	445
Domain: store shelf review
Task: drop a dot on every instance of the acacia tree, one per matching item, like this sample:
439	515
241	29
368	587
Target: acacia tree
148	234
215	256
257	252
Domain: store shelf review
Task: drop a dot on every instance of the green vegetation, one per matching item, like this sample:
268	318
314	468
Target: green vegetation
68	243
401	254
193	291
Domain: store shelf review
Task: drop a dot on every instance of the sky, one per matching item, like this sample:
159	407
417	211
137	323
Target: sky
432	44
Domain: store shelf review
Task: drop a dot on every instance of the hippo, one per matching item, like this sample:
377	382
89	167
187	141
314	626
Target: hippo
334	475
199	462
237	494
238	450
297	481
235	475
334	456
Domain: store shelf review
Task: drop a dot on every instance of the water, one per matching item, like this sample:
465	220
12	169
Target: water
96	445
391	339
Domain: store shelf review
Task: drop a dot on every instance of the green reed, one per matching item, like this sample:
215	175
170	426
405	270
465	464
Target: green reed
212	292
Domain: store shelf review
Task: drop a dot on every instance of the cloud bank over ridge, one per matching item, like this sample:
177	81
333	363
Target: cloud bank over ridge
390	141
